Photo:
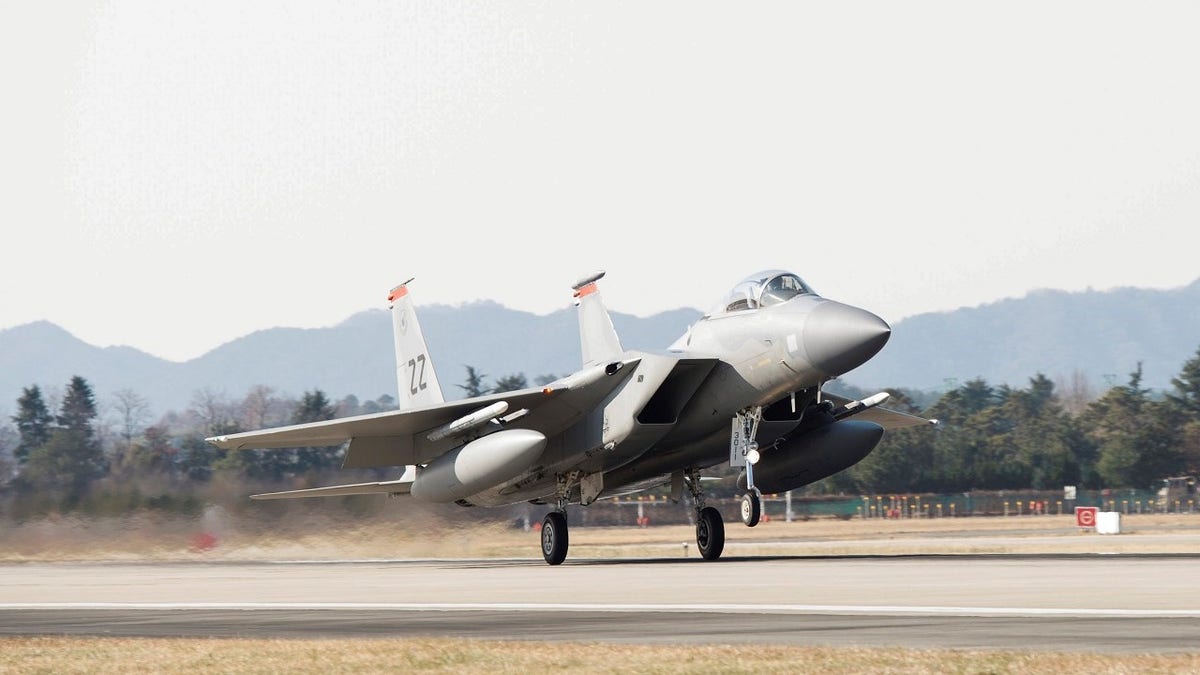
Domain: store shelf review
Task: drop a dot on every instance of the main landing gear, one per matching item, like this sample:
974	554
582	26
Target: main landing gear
554	537
710	527
554	528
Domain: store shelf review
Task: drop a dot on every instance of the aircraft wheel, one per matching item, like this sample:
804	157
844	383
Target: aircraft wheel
751	508
554	537
710	533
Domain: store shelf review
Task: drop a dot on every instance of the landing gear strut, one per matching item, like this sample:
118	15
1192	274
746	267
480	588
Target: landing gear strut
555	538
743	451
710	528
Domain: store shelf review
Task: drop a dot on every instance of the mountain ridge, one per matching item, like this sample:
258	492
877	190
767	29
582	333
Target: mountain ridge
1102	334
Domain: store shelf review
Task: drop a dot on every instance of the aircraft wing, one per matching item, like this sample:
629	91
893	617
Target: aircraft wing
884	417
420	435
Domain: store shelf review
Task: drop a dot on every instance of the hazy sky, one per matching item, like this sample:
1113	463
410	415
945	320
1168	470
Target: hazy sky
177	175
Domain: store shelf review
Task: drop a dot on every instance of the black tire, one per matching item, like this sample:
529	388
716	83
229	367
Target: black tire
710	533
554	537
751	508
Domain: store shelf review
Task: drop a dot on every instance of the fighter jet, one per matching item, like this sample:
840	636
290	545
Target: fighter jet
743	386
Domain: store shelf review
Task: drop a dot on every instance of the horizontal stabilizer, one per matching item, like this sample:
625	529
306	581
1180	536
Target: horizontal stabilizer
391	487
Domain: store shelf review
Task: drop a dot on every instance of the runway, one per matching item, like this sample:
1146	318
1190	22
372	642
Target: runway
1135	603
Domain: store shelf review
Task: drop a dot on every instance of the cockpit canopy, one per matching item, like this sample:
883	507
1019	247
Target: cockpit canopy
762	290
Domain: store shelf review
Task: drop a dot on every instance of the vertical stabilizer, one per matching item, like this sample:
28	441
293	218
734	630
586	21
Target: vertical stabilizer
415	377
598	338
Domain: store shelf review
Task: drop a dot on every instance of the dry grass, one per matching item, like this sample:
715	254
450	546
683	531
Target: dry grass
443	655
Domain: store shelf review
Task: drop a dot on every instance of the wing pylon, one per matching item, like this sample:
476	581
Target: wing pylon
401	486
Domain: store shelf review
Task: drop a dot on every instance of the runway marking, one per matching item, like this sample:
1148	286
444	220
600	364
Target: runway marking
605	607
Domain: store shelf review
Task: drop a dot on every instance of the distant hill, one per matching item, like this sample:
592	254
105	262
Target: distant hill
1006	342
353	357
1101	334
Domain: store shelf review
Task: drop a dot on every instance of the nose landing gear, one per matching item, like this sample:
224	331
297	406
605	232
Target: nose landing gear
743	451
751	507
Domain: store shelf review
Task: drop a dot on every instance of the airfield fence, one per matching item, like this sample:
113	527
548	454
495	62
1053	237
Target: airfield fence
658	509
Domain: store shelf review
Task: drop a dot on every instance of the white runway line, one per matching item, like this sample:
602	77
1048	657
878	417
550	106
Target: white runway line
897	610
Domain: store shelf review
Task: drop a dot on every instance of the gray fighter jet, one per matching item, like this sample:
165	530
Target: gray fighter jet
742	385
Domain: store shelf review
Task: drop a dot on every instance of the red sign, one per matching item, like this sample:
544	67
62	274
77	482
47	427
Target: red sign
1085	516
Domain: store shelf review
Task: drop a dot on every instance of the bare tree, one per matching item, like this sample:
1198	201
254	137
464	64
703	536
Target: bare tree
212	410
1075	392
261	408
132	411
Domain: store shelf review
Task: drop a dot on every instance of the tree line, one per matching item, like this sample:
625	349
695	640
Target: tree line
1001	438
59	452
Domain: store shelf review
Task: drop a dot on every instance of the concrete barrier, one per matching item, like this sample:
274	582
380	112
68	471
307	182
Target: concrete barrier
1108	522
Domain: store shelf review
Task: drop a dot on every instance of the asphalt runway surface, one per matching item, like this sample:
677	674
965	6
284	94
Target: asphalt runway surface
1126	603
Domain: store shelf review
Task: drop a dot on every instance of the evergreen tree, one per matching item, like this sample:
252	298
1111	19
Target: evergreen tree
384	402
902	460
65	465
474	387
78	408
1186	398
9	438
315	407
1187	388
510	383
1137	440
1042	454
33	422
72	458
960	455
197	460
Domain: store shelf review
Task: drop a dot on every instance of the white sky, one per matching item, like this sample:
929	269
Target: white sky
174	177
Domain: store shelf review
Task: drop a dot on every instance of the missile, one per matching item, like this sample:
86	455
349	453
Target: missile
469	421
855	407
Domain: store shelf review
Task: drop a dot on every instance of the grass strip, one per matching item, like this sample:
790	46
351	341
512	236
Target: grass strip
446	655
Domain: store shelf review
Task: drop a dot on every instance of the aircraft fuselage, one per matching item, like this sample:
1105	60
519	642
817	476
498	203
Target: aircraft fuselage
674	408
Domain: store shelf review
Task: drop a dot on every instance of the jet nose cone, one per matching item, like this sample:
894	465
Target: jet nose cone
839	338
